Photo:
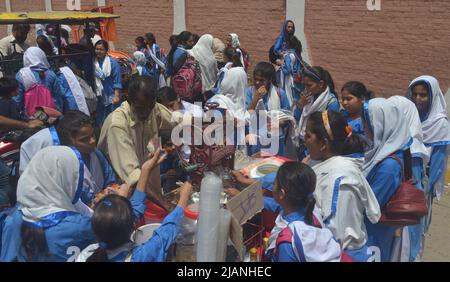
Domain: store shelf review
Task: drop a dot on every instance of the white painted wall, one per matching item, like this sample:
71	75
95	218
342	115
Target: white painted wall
295	11
179	16
447	100
8	9
48	5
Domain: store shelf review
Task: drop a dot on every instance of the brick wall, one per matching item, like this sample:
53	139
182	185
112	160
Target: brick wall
3	28
143	16
385	49
257	25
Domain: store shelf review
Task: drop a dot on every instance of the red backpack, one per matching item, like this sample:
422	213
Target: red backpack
187	82
38	95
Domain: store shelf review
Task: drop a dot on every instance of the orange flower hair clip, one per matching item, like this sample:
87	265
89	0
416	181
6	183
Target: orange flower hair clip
349	131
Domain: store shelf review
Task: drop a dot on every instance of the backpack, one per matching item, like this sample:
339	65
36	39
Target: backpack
285	236
38	95
187	82
408	205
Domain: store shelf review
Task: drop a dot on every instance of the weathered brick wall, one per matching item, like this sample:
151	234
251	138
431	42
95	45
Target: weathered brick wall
138	17
257	23
3	28
385	49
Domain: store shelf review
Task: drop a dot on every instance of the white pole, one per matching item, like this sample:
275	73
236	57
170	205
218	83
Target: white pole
295	11
48	5
8	9
179	16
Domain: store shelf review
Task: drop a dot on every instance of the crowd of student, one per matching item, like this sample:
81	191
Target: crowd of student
350	151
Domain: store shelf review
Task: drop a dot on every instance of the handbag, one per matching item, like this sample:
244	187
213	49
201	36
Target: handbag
408	205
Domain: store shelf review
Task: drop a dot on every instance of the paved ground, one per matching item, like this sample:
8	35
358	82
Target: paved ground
437	244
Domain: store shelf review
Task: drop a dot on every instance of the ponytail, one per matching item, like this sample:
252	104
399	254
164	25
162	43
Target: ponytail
99	255
181	38
309	213
299	182
33	241
343	141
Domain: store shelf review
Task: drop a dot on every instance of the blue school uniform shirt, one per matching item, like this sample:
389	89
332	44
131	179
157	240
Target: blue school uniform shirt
65	240
357	126
437	165
179	57
108	175
384	179
114	81
69	102
155	249
51	82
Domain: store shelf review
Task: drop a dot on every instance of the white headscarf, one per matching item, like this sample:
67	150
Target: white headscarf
49	184
76	90
218	48
235	43
34	59
232	92
415	127
140	60
202	52
235	40
320	104
101	73
389	129
318	244
436	127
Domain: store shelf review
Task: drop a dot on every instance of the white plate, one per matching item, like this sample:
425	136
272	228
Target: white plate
263	170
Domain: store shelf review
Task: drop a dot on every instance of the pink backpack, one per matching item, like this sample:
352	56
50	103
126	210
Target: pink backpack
187	82
37	95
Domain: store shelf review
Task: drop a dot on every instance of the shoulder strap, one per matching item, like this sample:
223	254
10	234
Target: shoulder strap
393	156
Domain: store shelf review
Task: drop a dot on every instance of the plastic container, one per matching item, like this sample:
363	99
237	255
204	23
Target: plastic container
187	239
144	233
154	213
188	225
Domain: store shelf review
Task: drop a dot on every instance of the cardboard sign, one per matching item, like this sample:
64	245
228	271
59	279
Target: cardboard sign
243	207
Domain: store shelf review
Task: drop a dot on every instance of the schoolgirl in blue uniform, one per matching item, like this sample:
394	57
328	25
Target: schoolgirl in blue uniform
291	68
113	224
264	96
353	96
341	185
287	31
319	95
387	133
50	223
299	237
178	53
426	94
37	70
74	129
413	247
108	81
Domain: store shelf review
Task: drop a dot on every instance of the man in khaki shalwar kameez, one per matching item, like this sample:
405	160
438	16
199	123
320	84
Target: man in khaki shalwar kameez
127	132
